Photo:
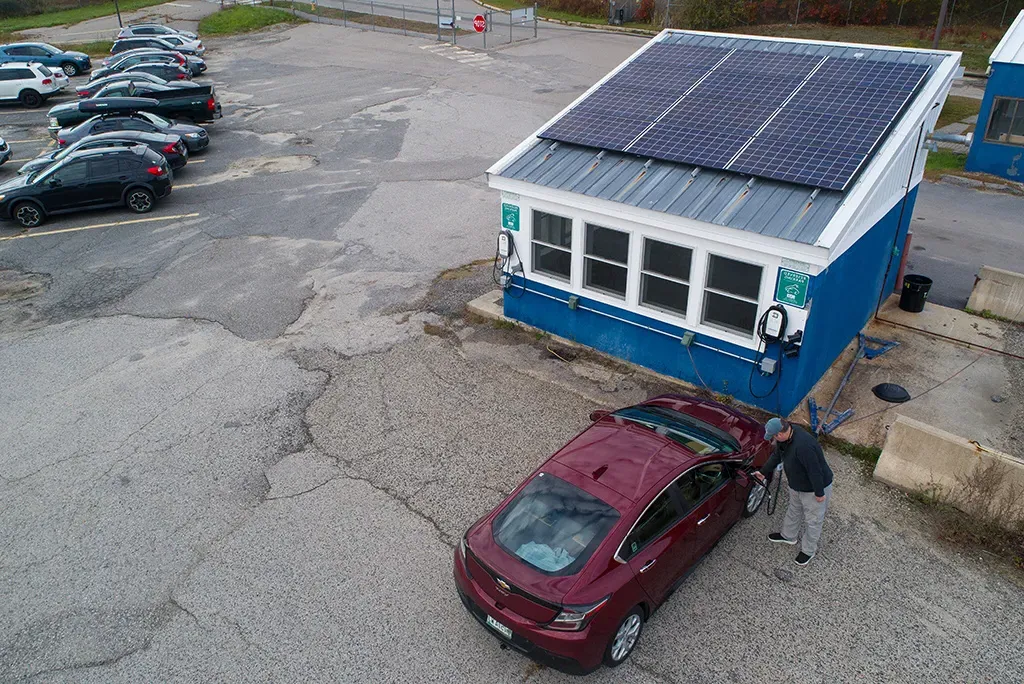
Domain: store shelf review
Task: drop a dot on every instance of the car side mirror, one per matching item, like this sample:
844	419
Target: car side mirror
54	182
598	414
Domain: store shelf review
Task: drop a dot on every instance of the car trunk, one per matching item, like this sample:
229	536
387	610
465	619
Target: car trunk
510	582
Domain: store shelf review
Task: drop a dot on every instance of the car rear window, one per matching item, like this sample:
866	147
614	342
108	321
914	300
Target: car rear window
44	71
553	526
694	434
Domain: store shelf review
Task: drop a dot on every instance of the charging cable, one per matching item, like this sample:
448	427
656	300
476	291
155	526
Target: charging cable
764	339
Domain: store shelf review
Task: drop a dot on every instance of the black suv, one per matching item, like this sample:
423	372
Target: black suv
135	177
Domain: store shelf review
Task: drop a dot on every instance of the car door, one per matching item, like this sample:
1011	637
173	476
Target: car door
651	548
8	86
38	54
706	491
106	179
16	54
66	188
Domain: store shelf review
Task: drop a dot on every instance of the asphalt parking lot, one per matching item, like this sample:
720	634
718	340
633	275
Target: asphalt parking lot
242	437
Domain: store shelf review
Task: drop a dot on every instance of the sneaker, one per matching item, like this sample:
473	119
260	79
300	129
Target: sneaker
779	539
803	559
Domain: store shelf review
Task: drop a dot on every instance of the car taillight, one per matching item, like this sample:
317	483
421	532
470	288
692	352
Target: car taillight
171	148
181	59
155	171
181	77
82	93
61	142
47	81
211	104
575	618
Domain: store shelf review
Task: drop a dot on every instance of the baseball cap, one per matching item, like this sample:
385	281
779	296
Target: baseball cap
772	428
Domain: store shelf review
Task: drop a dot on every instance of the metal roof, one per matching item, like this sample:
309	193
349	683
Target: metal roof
758	205
1011	47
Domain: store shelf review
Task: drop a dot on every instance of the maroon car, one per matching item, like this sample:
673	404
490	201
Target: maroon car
569	567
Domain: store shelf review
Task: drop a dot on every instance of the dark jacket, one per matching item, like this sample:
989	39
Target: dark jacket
803	461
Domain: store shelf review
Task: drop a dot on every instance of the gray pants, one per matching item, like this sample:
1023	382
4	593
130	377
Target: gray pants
804	508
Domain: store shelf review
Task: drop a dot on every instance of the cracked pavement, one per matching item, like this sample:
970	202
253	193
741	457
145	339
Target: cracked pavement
242	446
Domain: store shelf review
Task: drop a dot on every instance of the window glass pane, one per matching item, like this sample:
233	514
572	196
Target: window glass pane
72	173
736	277
103	167
605	277
664	294
670	260
552	261
689	491
607	243
710	477
699	437
730	313
44	71
1002	117
1016	134
553	526
655	520
555	230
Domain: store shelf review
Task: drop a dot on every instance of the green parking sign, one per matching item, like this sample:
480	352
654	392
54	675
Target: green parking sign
792	288
509	216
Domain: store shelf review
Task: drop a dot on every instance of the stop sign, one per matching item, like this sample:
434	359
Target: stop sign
479	23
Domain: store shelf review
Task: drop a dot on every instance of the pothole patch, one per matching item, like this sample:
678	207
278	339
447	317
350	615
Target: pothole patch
17	285
252	166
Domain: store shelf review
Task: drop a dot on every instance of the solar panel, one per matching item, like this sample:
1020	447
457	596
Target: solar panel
801	118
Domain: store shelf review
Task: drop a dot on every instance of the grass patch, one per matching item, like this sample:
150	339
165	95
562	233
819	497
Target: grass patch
96	48
942	162
988	315
976	42
868	455
244	19
957	108
73	16
366	19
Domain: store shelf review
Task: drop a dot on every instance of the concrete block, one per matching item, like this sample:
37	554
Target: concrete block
999	291
920	458
962	181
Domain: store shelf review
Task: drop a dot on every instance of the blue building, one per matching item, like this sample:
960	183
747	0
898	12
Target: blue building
746	283
998	145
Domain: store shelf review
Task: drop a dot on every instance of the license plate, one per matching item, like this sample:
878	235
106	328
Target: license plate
498	627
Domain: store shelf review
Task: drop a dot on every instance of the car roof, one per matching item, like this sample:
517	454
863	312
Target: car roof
15	65
101	151
47	45
632	459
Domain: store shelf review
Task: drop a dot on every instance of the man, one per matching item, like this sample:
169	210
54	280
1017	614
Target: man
810	485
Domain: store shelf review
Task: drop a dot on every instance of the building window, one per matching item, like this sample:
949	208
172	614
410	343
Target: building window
552	245
1006	125
665	276
604	260
731	293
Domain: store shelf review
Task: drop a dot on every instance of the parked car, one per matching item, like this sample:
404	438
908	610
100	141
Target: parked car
570	566
175	43
29	84
170	147
194	64
5	151
70	62
134	177
168	72
152	29
198	103
196	138
133	58
87	90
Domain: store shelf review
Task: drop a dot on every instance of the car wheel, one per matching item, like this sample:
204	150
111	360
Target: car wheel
139	200
70	69
625	638
755	497
30	99
27	215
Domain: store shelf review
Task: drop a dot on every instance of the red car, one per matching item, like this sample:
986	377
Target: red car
569	567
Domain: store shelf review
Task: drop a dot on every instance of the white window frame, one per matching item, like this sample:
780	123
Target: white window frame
624	265
534	241
706	288
685	316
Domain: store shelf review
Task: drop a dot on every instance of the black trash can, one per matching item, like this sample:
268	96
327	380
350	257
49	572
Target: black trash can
915	292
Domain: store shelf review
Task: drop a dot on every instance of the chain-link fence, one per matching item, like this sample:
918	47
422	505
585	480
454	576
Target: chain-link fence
442	20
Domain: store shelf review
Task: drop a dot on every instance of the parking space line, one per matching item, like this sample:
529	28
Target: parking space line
185	185
15	161
18	142
100	225
196	161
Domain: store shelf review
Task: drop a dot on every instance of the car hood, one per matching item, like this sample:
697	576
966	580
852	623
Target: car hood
76	55
181	129
14	184
34	165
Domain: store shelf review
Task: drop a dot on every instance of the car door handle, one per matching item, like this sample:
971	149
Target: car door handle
704	519
648	565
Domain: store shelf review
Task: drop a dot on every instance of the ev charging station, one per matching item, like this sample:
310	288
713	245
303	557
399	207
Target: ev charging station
748	285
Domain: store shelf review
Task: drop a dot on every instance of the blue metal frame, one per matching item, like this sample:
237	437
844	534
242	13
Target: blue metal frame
823	424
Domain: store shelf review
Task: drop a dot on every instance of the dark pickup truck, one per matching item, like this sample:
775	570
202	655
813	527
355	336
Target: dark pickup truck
198	103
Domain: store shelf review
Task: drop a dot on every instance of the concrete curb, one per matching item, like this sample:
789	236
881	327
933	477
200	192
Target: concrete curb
986	186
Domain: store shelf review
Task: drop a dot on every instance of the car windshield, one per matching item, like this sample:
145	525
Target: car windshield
52	50
553	526
696	435
159	121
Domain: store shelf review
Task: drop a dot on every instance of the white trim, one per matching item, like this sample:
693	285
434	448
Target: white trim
679	225
1010	49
